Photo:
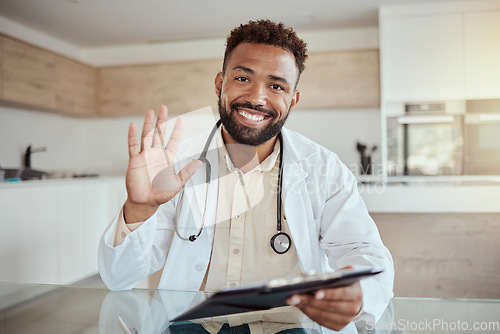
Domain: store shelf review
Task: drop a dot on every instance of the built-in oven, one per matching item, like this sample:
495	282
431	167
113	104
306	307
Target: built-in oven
482	133
425	138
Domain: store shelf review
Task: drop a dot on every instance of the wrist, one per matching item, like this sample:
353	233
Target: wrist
135	213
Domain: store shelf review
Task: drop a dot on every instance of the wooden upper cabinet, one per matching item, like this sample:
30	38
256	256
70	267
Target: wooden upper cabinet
31	77
182	86
28	74
75	87
348	79
35	78
340	79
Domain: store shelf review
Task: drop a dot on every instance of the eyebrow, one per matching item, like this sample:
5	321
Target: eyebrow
280	79
272	77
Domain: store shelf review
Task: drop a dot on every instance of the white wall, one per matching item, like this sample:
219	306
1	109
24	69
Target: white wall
62	136
99	145
338	130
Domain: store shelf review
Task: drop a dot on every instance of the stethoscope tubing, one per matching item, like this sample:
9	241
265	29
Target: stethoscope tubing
281	241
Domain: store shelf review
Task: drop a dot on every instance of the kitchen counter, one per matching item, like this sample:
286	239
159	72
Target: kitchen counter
467	193
404	194
58	181
437	197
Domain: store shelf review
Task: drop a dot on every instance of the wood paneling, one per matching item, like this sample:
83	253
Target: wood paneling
330	80
39	79
182	86
36	78
443	254
28	74
341	79
75	87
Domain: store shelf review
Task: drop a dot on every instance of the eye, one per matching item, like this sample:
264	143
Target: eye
277	87
242	79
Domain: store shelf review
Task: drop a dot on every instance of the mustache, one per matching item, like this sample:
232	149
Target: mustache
248	105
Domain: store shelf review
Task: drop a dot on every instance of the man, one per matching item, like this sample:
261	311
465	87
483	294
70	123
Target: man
323	214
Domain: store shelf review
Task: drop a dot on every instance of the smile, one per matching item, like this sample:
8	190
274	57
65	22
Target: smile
255	118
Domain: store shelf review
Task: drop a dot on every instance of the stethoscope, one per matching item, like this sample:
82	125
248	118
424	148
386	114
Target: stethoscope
281	241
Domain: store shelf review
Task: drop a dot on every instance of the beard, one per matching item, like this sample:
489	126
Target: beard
247	135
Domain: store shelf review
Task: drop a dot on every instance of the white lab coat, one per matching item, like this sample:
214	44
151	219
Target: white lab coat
328	221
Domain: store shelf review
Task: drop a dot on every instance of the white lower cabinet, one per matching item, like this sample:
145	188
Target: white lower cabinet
71	233
50	230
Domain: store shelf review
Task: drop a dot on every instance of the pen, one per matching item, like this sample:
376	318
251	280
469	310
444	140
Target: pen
126	328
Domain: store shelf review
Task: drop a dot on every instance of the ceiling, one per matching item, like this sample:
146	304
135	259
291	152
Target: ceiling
97	23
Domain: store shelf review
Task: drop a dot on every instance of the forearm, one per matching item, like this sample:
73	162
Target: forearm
124	266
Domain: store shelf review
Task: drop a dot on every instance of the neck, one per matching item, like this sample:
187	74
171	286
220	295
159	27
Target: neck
246	157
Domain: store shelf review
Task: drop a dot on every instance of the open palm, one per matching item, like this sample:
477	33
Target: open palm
151	179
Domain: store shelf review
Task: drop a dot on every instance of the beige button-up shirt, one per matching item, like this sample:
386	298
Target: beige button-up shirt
242	253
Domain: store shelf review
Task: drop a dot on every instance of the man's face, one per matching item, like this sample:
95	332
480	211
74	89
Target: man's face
257	92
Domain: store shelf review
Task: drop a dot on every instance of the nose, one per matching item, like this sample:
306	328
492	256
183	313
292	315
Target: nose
256	94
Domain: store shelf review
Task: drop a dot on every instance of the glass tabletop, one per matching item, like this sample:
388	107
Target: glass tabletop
30	308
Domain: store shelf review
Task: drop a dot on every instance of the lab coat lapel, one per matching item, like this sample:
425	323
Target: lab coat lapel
299	216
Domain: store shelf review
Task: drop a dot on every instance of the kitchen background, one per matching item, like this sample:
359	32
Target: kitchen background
76	101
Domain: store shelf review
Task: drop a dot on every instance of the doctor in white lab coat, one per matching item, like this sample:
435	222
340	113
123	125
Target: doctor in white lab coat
329	225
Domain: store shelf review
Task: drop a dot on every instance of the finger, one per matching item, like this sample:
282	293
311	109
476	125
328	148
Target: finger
147	130
175	138
351	292
347	308
188	171
133	148
161	124
327	319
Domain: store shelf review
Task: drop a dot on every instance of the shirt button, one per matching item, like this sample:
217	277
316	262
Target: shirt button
199	267
238	217
236	251
232	285
124	234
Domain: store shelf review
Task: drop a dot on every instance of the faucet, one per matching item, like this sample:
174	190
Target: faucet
27	155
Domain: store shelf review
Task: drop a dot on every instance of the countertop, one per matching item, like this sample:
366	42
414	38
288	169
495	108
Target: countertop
407	194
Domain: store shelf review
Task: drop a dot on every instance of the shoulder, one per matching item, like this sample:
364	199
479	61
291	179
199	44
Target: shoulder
319	163
302	148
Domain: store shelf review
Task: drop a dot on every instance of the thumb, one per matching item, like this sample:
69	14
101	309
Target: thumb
188	171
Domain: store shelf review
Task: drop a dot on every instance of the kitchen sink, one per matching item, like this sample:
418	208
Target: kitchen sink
23	174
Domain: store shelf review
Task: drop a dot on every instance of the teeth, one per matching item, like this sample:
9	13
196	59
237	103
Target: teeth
255	118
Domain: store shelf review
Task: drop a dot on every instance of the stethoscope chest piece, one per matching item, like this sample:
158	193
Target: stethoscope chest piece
281	242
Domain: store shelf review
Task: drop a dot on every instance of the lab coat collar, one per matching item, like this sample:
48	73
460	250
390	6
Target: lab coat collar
295	150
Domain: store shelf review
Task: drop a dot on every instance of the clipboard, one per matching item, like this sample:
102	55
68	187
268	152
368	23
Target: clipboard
272	294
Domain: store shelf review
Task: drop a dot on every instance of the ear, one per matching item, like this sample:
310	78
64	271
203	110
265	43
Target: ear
218	83
295	99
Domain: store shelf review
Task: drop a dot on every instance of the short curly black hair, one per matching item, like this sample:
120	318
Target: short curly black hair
269	33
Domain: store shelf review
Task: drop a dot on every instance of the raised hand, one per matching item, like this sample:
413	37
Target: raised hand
151	179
